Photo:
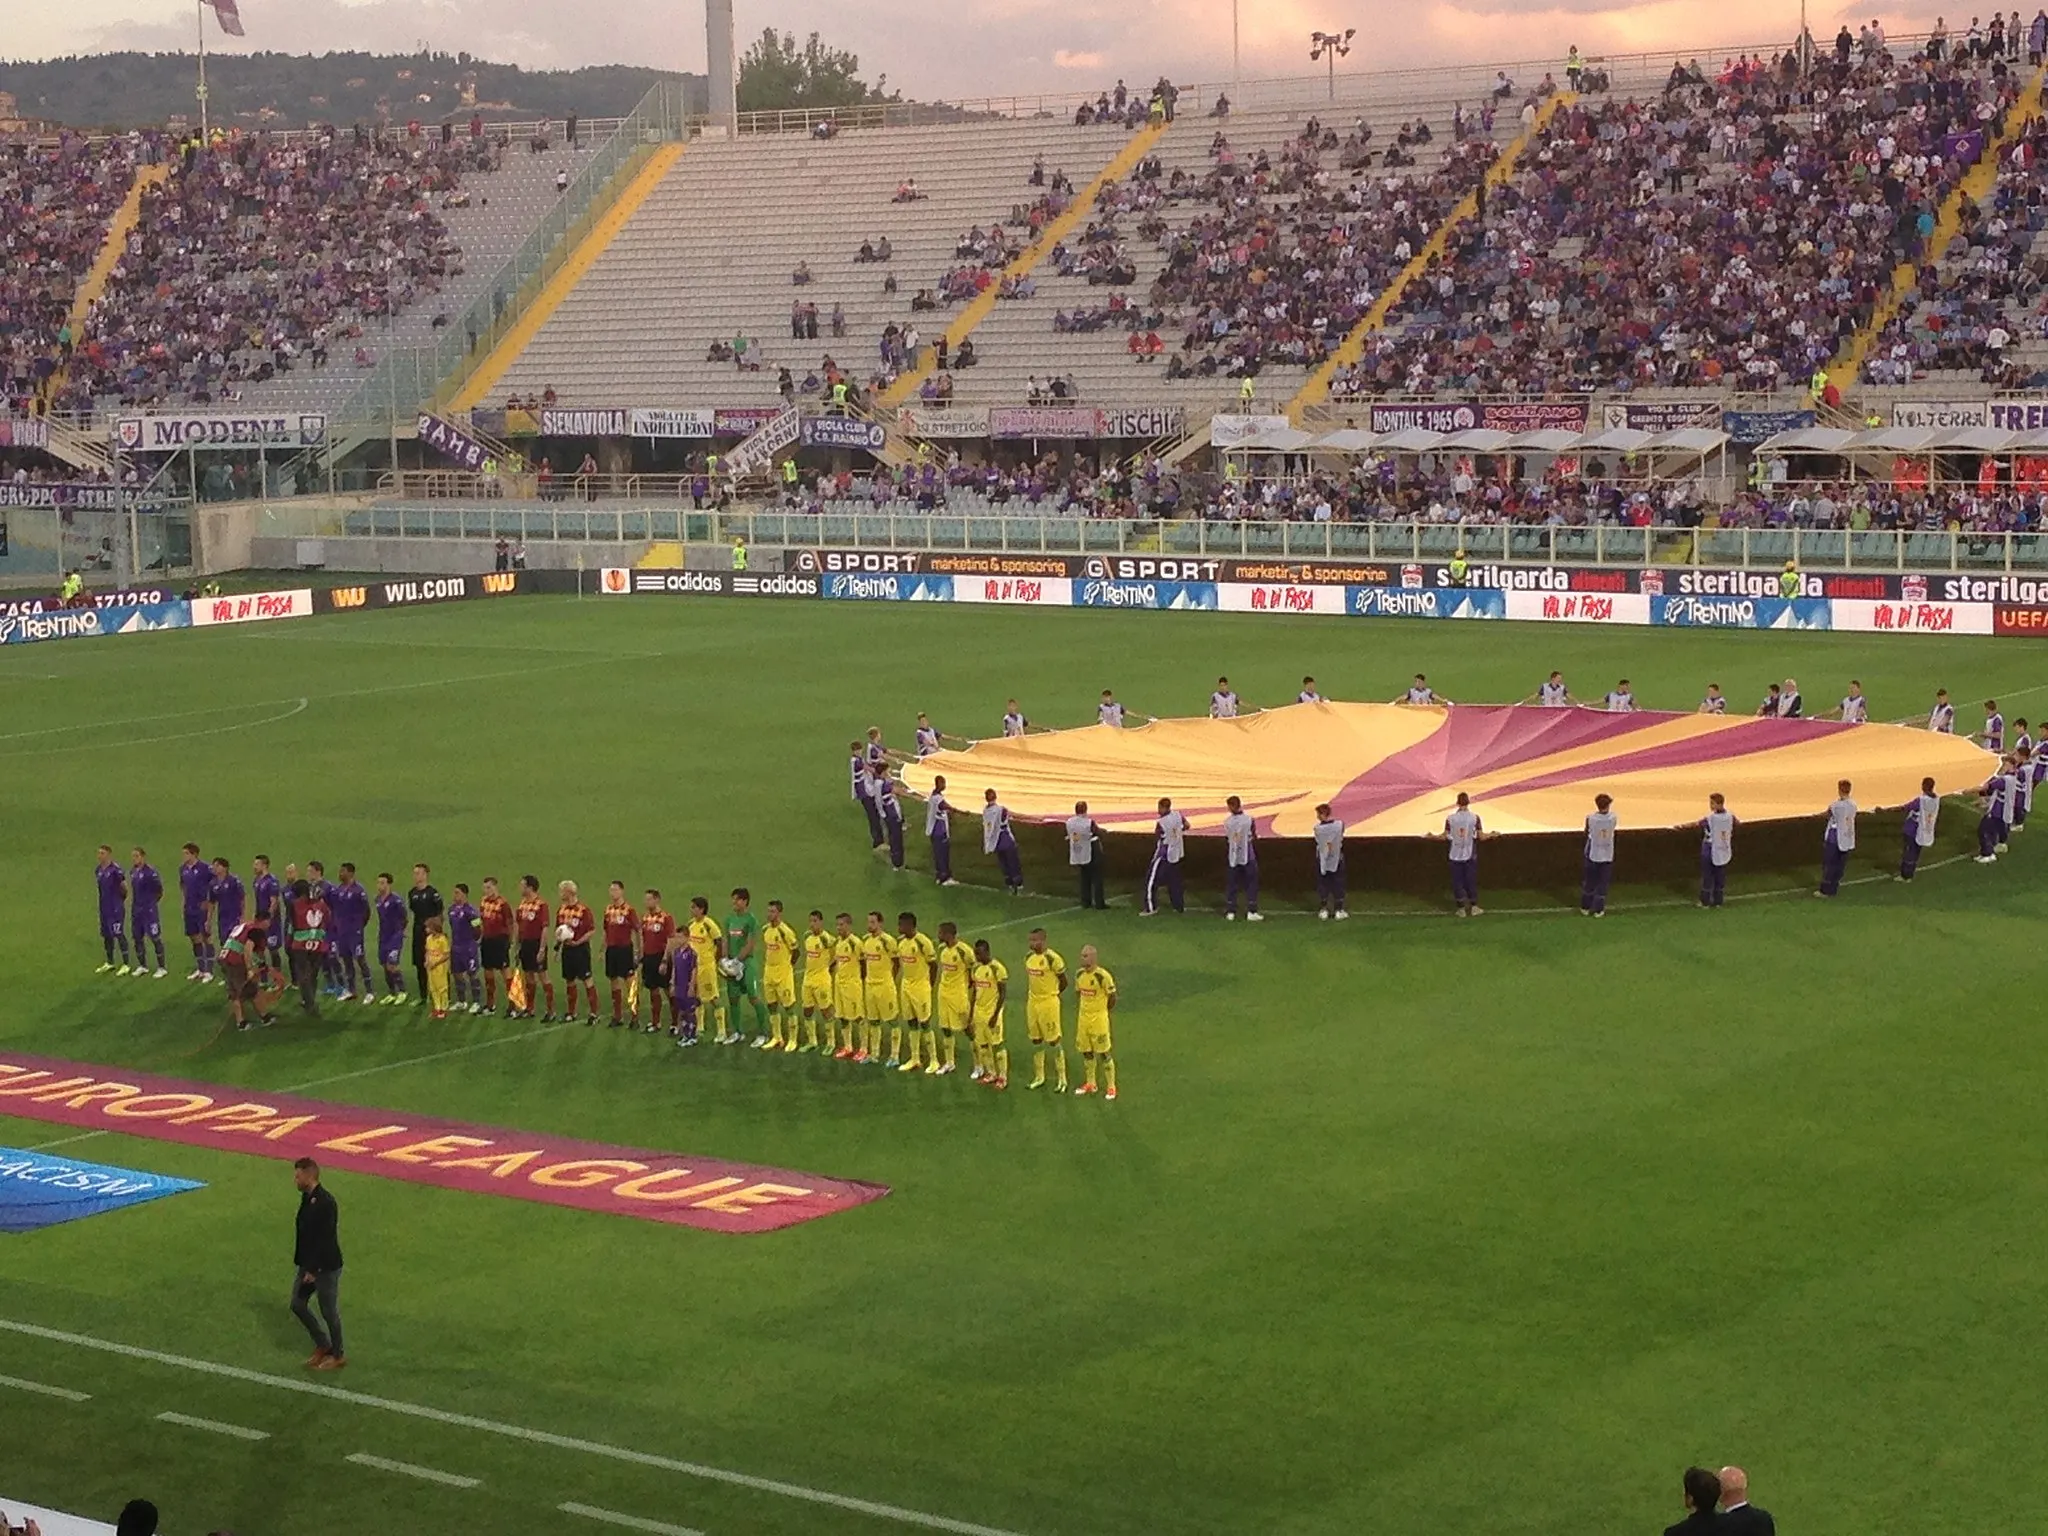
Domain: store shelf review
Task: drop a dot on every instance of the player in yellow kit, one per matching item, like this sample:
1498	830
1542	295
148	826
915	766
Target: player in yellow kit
990	979
915	960
878	989
1045	978
1097	990
778	978
845	987
817	945
955	965
707	941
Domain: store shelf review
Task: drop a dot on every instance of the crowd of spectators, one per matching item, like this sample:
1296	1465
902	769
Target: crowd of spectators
260	255
1730	234
1285	257
1965	313
56	200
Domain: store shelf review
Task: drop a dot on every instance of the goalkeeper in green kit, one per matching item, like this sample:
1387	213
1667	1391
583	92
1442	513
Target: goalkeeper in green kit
741	967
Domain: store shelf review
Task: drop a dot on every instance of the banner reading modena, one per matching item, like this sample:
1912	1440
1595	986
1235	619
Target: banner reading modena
553	1170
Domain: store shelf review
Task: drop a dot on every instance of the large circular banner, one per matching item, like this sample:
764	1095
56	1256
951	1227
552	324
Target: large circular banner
1392	770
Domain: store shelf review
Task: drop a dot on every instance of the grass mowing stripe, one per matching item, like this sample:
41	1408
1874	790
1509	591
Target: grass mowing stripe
409	1469
630	1522
214	1426
493	1427
66	1393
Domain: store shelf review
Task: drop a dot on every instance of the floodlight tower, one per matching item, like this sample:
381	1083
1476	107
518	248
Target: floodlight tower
720	65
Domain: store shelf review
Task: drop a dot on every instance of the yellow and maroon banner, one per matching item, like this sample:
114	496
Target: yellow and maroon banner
1392	770
420	1149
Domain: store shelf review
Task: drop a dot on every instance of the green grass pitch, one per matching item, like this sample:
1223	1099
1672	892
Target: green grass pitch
1408	1225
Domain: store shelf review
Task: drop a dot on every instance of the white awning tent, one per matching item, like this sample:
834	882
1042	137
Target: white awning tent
1687	443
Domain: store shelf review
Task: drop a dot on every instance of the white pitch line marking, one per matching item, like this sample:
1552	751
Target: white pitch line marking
214	1426
66	1393
630	1522
408	1469
511	1431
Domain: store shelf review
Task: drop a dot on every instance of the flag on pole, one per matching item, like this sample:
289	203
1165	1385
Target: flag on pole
228	15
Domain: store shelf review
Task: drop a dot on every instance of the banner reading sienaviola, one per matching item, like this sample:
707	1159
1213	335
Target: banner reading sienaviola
708	1193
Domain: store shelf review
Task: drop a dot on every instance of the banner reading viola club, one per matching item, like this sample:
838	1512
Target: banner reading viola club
708	1193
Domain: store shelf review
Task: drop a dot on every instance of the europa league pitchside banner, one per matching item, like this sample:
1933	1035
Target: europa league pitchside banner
620	1181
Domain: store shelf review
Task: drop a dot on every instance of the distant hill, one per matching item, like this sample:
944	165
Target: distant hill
140	90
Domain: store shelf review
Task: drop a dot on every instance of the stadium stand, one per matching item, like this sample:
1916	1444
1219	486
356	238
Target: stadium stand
273	271
56	201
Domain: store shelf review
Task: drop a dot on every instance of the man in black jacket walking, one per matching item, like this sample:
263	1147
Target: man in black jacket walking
316	1258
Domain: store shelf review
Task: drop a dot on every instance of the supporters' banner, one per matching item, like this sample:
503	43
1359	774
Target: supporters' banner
1147	421
1015	591
758	449
1660	415
90	496
24	432
2026	415
1061	421
553	1170
218	429
855	587
842	432
1941	413
447	438
739	420
1918	618
1425	603
1579	607
1227	430
1742	612
89	623
1107	592
1278	597
416	590
649	422
943	421
252	607
1534	416
1756	426
1430	415
1964	147
622	582
38	1190
585	423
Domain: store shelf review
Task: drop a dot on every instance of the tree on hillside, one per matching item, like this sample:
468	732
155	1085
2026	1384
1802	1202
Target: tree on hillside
777	75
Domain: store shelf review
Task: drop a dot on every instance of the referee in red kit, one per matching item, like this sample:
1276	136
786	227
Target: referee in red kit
316	1260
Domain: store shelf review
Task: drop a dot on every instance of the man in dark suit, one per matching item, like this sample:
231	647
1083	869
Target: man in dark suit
316	1256
1739	1517
1702	1493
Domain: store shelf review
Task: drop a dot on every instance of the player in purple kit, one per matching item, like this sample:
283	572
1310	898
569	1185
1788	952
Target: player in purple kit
113	908
348	906
146	886
268	896
465	929
390	940
195	882
322	890
226	898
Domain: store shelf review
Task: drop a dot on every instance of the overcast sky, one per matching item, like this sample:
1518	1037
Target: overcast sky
960	48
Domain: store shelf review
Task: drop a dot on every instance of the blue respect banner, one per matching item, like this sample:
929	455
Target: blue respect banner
90	623
38	1190
1743	612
